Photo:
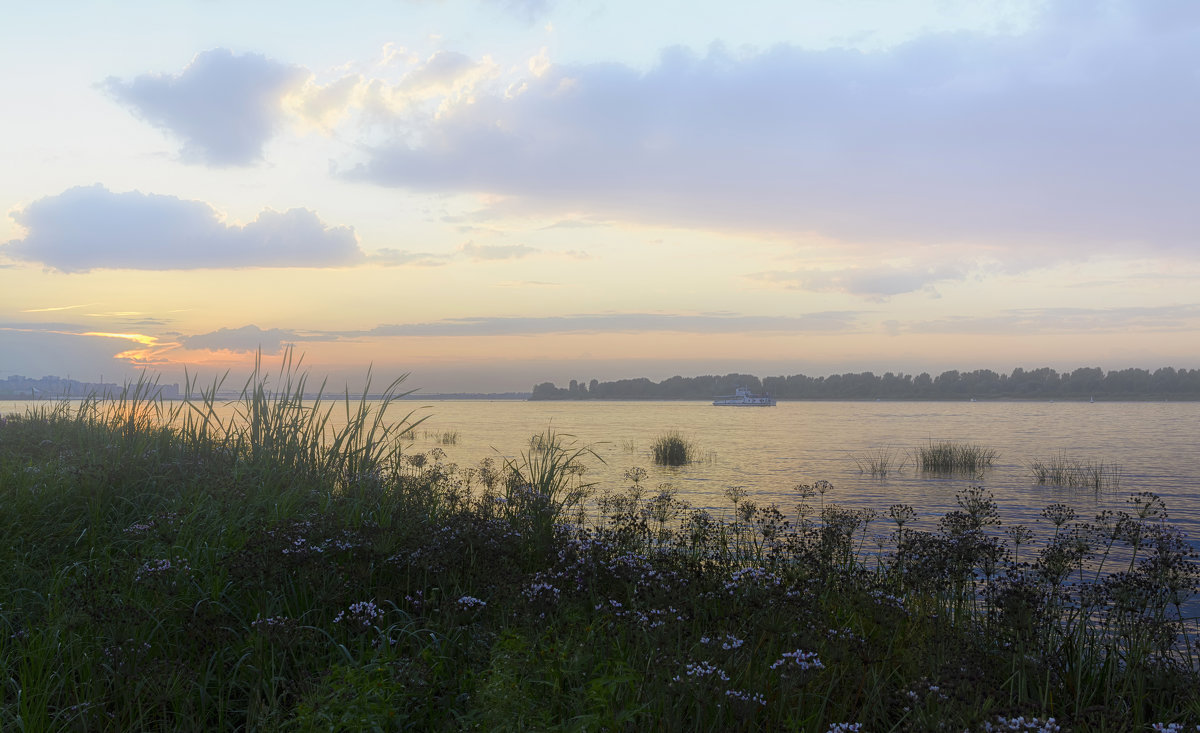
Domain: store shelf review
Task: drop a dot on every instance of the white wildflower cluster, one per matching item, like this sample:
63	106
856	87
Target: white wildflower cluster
166	519
160	568
746	696
611	603
728	642
702	670
271	623
467	603
802	659
1022	723
651	619
1170	727
361	614
751	577
887	599
301	546
842	634
541	590
840	727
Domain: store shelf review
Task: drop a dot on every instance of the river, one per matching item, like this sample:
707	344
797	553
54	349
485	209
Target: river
769	450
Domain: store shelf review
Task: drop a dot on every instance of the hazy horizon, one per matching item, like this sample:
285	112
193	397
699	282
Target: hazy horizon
489	195
469	380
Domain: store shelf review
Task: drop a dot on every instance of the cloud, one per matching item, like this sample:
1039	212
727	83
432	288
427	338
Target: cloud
45	351
527	11
496	251
876	283
131	348
223	107
390	257
245	339
90	227
1074	137
325	106
622	323
1169	318
251	337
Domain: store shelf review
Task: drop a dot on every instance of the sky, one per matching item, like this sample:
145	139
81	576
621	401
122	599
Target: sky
490	194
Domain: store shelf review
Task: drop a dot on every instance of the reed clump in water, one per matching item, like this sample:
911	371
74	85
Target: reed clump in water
443	437
160	573
951	457
1061	470
672	449
881	462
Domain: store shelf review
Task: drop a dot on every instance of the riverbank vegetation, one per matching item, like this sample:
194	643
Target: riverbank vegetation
173	571
1085	383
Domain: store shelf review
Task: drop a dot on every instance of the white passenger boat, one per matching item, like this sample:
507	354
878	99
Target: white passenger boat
743	397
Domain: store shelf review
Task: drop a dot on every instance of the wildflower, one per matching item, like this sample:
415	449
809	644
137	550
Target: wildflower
839	727
746	696
161	568
700	670
1020	723
802	659
467	603
362	614
541	590
268	624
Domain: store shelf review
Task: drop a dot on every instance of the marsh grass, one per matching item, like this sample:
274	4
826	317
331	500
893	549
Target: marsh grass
166	570
672	449
442	437
1061	470
951	457
881	461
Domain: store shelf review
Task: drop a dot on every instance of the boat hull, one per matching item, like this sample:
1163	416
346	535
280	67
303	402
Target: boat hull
743	397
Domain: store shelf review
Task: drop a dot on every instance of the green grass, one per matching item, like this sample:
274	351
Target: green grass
672	449
951	457
166	570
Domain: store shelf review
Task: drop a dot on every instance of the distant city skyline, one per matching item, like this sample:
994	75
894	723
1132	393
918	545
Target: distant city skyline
493	194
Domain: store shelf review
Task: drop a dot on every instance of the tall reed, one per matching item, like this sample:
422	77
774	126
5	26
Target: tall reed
881	462
672	449
1061	470
951	457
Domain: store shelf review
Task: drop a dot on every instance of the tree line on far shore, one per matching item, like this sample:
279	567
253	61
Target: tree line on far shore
1037	384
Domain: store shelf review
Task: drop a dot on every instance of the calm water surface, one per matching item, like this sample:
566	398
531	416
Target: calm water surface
770	450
